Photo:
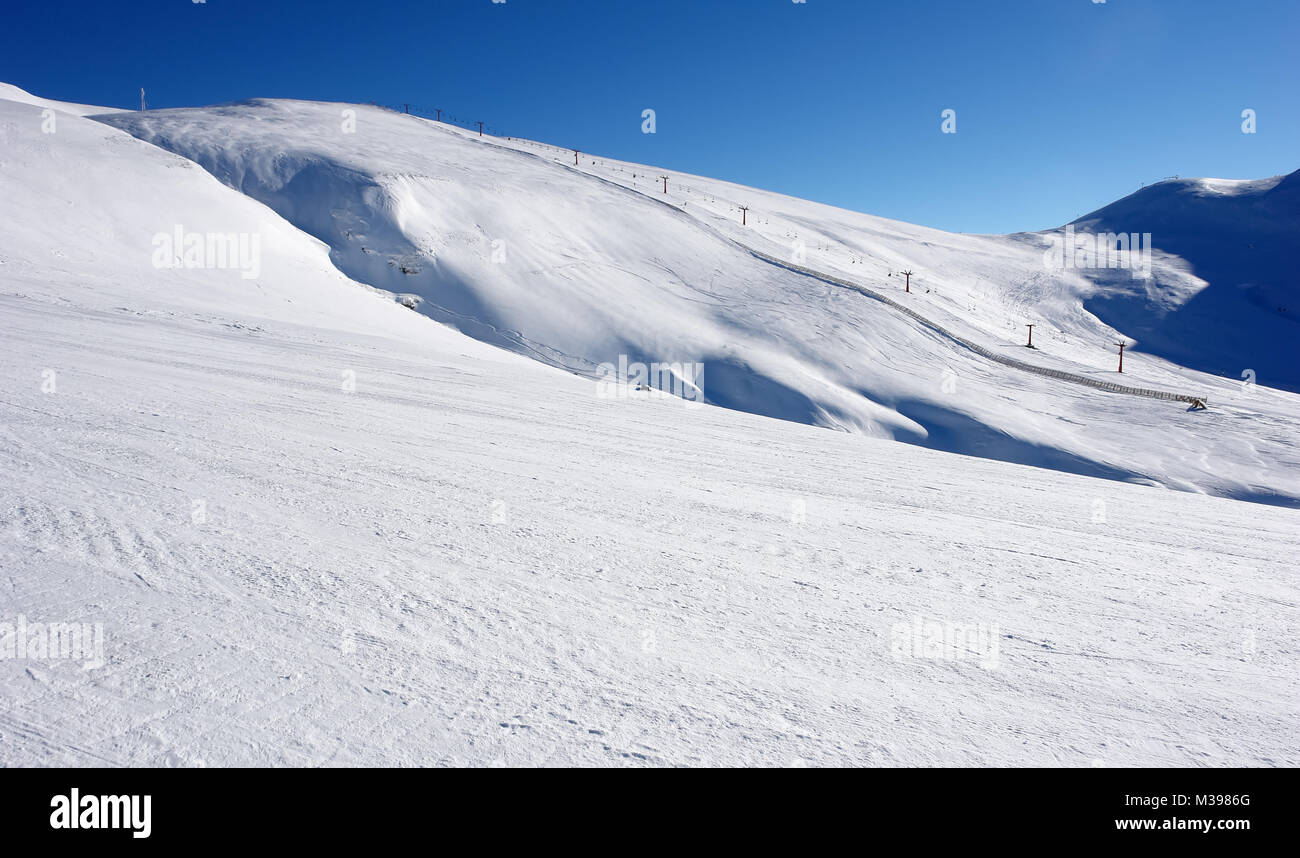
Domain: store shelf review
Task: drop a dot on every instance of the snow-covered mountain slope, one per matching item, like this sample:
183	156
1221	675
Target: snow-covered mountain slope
319	529
83	205
1230	297
1203	231
575	266
9	92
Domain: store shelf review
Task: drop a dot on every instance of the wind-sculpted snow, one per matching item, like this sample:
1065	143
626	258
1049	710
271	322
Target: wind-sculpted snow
580	266
307	526
1234	298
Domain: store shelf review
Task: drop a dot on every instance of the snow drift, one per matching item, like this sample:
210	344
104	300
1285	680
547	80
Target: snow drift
580	266
317	529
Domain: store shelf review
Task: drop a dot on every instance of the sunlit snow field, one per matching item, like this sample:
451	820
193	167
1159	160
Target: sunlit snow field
317	528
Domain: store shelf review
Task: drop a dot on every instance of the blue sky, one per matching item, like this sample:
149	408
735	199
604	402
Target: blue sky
1062	105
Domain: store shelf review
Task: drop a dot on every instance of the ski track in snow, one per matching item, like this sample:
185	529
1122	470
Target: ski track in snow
470	558
443	568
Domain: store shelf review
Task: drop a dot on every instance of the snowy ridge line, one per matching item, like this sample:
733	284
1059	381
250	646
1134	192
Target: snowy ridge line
1199	401
419	111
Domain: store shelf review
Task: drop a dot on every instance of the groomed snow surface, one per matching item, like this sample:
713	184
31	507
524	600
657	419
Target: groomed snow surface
317	528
